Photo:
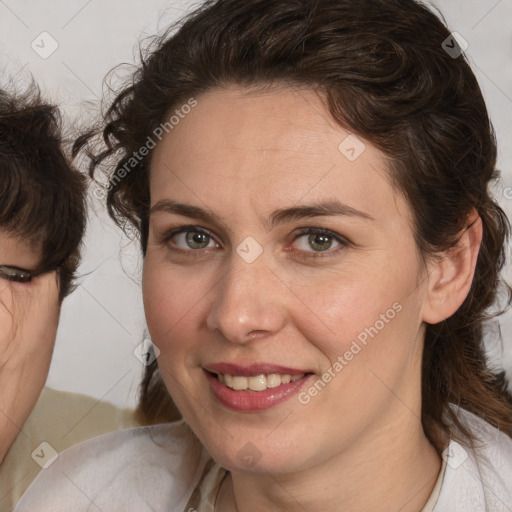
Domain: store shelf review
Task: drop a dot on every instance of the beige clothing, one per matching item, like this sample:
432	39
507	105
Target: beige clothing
60	419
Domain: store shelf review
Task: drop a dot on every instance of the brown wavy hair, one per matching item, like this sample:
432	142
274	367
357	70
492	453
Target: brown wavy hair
42	197
383	72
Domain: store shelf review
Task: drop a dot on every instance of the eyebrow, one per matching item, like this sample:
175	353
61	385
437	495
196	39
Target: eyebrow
323	209
186	210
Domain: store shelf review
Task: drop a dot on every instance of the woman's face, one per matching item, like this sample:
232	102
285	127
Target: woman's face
278	247
18	304
29	315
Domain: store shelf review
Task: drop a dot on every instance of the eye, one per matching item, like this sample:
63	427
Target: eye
191	238
318	240
15	274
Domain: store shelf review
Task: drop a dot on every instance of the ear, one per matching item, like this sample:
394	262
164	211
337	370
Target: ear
451	273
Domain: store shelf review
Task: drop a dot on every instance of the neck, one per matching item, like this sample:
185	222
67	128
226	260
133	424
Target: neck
393	468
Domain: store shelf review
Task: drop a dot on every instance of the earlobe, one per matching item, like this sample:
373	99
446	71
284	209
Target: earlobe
451	273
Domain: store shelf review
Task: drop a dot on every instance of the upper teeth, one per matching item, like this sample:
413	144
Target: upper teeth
257	382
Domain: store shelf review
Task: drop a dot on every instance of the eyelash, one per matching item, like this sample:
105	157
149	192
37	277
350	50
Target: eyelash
344	243
167	237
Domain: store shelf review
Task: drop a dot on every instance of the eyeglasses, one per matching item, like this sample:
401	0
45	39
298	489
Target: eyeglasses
16	274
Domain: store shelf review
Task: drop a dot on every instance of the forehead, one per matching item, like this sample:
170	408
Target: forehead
16	251
267	147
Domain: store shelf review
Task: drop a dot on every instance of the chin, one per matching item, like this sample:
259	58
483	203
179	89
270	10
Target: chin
250	454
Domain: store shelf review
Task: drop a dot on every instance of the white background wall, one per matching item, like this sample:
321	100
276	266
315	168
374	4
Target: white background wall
102	322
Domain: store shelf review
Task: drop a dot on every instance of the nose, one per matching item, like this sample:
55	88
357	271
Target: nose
247	303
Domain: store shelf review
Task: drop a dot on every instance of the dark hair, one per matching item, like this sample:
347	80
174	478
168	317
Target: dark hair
382	68
42	198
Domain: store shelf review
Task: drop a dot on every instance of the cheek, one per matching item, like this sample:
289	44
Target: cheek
361	309
161	306
172	299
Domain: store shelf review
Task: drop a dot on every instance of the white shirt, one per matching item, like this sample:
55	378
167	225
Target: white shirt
164	468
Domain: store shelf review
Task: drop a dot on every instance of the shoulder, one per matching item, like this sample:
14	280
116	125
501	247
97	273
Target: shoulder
143	469
73	417
59	420
478	478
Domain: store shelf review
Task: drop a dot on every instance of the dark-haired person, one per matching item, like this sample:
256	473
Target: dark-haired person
42	220
321	251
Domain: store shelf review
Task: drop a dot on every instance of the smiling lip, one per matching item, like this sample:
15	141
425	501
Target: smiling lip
248	400
252	369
